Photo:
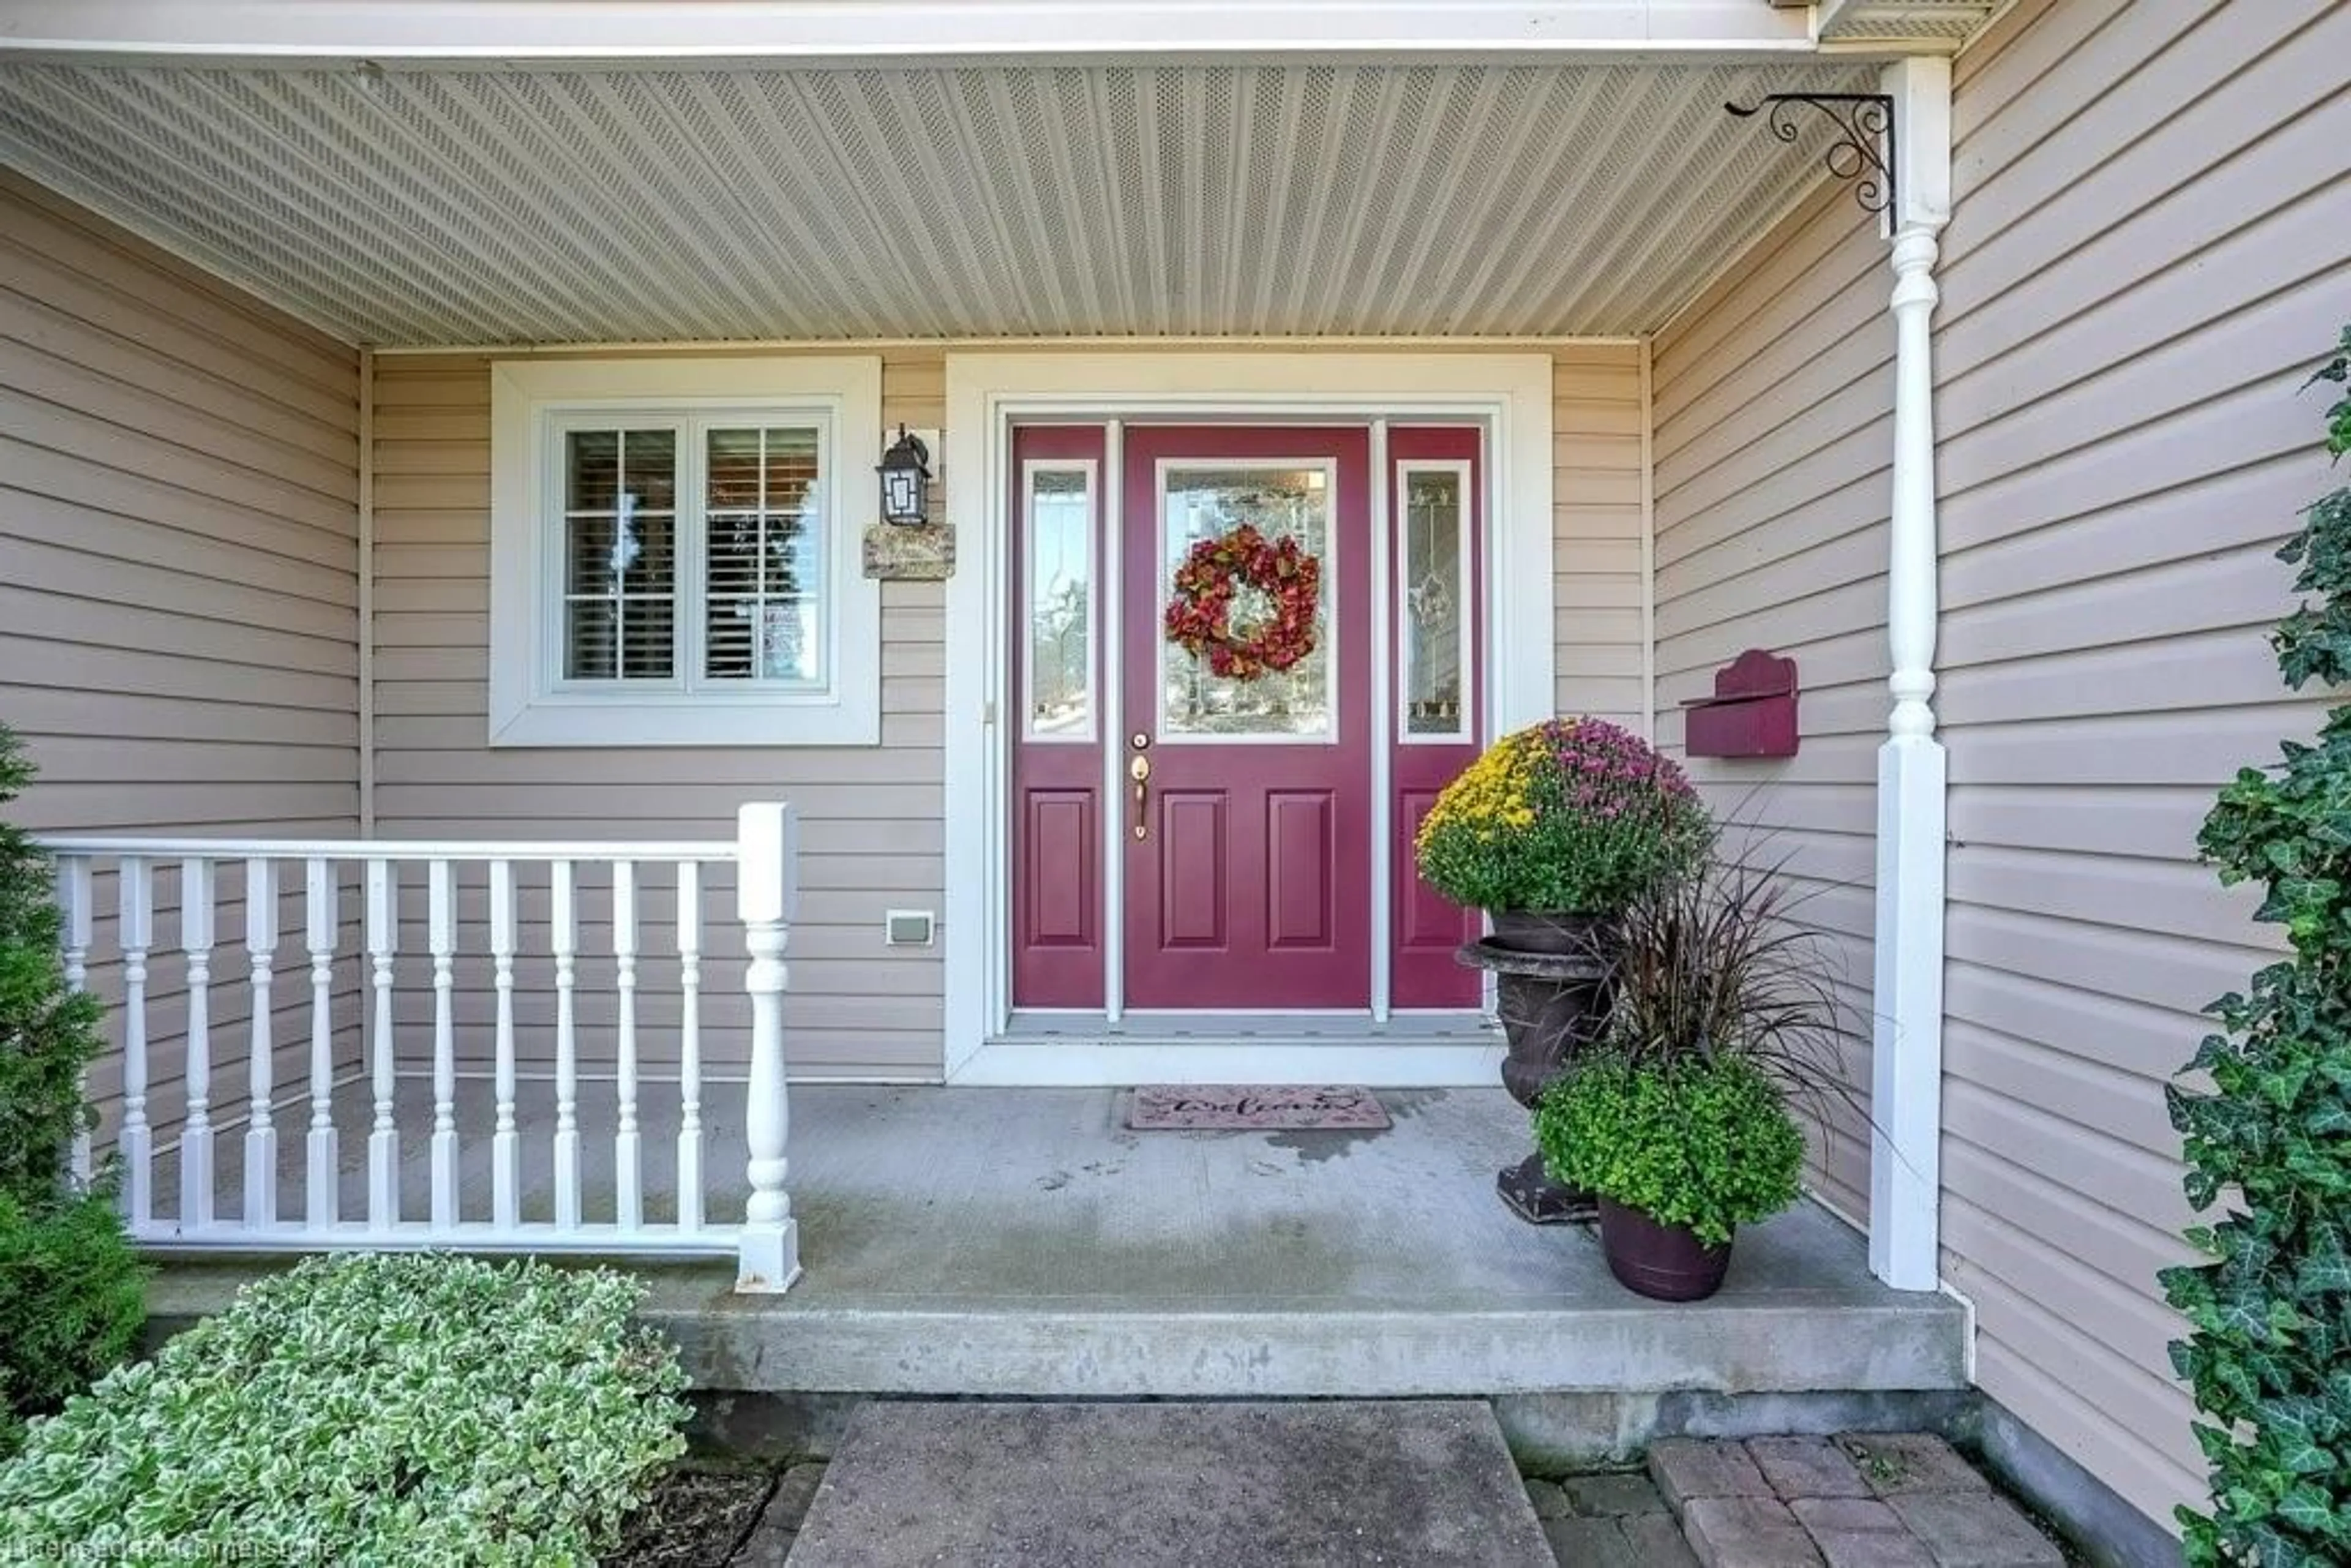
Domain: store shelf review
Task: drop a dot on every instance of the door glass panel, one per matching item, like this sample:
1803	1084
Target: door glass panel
1282	502
1060	603
1430	589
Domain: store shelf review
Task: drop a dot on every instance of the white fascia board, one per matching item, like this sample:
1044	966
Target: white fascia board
506	32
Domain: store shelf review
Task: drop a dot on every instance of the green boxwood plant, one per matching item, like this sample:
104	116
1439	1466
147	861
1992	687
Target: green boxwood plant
1705	1141
2269	1351
384	1409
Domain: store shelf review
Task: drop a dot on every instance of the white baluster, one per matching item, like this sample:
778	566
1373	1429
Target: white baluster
197	1133
767	845
323	1201
74	903
137	1143
628	1169
260	1129
689	1046
506	1145
564	938
442	937
383	1136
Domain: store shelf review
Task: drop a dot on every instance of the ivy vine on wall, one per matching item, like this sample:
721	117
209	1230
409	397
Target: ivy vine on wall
2268	1143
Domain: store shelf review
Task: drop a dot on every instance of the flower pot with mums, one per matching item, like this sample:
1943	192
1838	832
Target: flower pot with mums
1723	1010
1551	832
1561	821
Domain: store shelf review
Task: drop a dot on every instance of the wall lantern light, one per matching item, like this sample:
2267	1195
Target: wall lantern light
906	471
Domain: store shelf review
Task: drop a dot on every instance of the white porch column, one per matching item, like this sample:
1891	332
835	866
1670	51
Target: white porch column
1907	1048
766	840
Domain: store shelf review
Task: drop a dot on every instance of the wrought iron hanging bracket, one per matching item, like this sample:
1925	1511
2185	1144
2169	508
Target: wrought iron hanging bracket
1863	151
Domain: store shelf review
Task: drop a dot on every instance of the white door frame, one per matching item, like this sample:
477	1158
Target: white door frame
1511	394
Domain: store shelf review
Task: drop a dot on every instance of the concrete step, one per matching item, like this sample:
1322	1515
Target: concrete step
1024	1244
1423	1483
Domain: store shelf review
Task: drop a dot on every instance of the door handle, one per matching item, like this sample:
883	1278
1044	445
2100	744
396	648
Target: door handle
1140	771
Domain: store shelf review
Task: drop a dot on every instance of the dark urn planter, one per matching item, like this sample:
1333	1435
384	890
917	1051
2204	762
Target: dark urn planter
1551	991
1662	1262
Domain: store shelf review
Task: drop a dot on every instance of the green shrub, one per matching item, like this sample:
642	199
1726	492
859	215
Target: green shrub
365	1409
70	1287
1705	1142
71	1300
48	1034
2269	1351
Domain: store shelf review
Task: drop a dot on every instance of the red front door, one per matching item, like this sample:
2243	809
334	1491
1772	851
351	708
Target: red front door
1245	806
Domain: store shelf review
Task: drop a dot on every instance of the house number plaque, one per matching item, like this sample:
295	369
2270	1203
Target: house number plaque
920	552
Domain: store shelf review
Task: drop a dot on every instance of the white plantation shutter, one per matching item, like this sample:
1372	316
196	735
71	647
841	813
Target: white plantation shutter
763	588
620	564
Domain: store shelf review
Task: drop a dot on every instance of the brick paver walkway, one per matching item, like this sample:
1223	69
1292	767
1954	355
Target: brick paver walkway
1863	1500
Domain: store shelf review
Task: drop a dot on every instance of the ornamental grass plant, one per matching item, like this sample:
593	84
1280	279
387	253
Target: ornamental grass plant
1723	1013
1570	816
365	1409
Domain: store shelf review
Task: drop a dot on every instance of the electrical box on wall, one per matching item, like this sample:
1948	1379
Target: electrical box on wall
909	927
1753	712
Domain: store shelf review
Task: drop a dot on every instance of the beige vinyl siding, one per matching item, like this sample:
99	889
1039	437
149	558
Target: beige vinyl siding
2148	252
1772	400
2146	257
178	579
1597	496
873	827
871	816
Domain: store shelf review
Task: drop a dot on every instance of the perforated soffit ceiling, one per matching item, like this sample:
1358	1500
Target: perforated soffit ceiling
604	205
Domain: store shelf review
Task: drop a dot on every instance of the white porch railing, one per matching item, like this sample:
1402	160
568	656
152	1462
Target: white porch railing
763	857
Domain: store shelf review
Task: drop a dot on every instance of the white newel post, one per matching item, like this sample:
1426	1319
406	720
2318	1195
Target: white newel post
766	881
689	1046
1907	1048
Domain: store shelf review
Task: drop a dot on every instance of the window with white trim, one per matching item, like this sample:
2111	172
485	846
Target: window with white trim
675	552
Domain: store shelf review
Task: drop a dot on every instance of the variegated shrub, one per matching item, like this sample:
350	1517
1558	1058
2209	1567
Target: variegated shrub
365	1409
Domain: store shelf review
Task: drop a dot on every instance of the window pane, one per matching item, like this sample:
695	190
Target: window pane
1208	503
765	589
620	555
1431	587
1060	604
620	639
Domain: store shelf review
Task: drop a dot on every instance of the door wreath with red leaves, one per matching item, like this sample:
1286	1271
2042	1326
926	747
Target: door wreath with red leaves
1216	573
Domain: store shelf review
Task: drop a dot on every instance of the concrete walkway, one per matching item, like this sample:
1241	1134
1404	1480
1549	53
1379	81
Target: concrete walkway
1415	1484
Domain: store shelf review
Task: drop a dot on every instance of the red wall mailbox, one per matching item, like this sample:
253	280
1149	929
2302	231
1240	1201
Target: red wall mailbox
1753	712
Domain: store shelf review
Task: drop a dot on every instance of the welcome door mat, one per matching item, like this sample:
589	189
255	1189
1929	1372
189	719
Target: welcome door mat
1187	1107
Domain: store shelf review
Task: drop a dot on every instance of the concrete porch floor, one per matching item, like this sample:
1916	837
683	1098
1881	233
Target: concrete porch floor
1021	1242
